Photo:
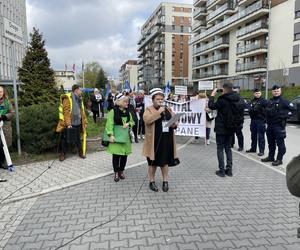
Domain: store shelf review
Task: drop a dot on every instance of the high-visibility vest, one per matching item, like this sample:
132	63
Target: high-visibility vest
61	109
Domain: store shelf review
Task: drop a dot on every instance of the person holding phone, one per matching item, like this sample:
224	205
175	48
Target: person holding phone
160	145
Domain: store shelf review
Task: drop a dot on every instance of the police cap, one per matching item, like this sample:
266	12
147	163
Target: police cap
276	87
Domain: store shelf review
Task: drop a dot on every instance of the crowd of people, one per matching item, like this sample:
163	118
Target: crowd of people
128	121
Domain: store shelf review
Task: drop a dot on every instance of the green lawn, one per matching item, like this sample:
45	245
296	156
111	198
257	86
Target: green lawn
95	129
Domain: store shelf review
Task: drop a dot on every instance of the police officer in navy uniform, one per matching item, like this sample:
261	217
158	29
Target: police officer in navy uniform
239	131
257	114
277	111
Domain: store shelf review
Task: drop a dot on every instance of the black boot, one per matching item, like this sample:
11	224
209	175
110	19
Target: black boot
228	172
153	186
250	151
267	159
116	177
220	173
165	186
277	163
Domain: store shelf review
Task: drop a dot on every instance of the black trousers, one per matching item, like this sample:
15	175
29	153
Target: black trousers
95	115
119	162
223	144
63	143
240	137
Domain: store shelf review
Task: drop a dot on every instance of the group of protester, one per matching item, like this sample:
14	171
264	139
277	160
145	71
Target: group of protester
128	118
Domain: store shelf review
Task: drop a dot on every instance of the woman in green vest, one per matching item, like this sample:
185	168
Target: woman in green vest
119	122
6	114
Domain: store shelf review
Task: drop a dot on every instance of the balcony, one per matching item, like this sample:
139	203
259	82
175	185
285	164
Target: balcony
220	73
221	10
219	43
212	3
151	35
252	49
252	11
198	2
253	30
200	12
198	24
252	67
211	60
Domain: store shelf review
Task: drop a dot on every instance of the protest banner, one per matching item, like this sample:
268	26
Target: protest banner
193	122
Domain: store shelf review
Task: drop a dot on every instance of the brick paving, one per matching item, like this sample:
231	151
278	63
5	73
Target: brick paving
252	210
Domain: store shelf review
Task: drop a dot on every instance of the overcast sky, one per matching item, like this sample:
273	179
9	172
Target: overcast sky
91	30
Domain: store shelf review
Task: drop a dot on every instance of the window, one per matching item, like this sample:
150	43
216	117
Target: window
296	36
181	28
295	59
297	14
173	19
181	19
173	27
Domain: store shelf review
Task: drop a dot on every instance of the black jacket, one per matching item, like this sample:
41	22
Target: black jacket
222	106
257	110
96	103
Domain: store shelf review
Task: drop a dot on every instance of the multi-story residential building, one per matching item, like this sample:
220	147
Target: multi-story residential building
231	41
129	72
15	11
164	46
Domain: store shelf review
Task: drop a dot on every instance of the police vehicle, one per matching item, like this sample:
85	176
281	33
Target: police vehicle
295	117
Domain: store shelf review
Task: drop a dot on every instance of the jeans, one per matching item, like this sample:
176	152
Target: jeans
224	143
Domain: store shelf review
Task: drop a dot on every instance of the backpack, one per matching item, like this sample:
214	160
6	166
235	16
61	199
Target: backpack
234	117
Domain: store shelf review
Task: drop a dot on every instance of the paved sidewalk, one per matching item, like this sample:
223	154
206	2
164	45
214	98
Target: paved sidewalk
61	175
252	210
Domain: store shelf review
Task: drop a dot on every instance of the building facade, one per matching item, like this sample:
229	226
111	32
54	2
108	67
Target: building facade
163	48
65	78
231	41
15	11
129	72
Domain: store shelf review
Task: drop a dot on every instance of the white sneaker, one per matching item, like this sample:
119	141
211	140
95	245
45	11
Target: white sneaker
208	142
139	137
143	137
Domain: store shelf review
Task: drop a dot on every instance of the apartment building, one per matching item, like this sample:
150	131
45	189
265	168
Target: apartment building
14	10
163	48
129	72
231	41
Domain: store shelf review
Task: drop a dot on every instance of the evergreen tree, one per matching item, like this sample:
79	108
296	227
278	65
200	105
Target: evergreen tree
36	74
101	79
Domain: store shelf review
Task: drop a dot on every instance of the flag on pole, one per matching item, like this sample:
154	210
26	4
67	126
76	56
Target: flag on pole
127	85
66	67
74	67
167	90
82	66
106	94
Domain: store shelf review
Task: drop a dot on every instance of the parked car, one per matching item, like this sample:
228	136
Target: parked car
295	117
247	106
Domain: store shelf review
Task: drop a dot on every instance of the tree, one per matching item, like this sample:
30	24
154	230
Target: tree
101	79
94	75
36	74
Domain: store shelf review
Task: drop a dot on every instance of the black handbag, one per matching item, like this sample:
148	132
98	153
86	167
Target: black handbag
105	140
72	135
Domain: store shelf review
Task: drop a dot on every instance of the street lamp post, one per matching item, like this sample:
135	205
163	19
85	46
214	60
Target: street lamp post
268	52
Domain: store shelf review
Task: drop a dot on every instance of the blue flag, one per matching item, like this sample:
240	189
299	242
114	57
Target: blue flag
127	85
106	94
167	90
